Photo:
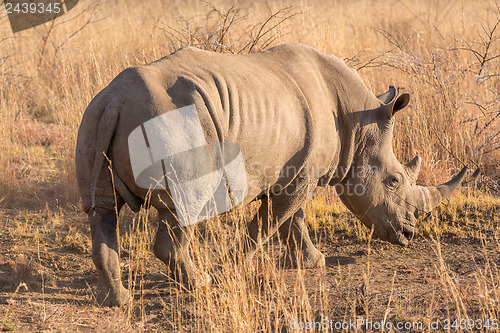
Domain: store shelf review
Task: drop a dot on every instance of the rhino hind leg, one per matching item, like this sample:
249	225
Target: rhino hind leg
172	244
103	226
301	251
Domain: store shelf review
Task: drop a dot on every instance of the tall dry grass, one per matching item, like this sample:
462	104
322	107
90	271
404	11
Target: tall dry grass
446	54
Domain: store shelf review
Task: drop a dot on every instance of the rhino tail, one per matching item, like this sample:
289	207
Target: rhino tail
105	131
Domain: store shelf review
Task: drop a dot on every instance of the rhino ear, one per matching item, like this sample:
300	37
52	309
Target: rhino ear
388	96
393	101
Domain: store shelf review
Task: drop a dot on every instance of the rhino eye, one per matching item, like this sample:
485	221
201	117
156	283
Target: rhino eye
392	182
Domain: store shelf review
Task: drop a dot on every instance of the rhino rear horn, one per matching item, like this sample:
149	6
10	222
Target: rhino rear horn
393	100
413	168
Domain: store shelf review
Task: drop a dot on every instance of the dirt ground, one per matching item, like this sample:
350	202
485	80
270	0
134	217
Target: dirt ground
47	280
444	53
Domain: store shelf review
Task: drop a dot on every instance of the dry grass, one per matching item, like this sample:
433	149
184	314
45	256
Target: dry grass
445	53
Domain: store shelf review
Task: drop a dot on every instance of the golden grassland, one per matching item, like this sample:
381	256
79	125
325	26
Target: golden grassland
445	53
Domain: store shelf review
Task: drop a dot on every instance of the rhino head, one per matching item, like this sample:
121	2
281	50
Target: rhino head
380	190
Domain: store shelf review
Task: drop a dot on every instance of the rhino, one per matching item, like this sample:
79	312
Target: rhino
290	119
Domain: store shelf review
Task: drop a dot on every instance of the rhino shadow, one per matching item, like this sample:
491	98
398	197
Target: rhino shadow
335	261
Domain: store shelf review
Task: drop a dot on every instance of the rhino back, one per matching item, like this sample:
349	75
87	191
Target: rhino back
274	105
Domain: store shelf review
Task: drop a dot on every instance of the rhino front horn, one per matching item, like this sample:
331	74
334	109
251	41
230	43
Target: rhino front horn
434	195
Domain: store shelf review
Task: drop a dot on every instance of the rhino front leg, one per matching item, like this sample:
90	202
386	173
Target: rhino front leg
273	212
172	245
107	262
294	234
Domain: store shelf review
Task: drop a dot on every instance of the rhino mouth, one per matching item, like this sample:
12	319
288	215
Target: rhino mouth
405	235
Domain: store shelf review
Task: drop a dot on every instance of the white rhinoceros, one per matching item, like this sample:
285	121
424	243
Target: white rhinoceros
204	131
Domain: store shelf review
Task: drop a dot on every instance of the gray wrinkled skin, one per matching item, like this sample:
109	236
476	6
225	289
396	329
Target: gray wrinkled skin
301	118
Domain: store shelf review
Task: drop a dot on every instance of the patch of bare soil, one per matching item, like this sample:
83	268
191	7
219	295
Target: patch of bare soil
46	287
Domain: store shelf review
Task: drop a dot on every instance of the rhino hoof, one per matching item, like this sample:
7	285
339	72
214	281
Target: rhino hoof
203	280
196	281
321	260
111	299
306	261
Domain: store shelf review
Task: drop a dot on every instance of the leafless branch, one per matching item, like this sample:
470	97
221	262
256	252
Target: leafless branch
215	36
90	20
45	35
482	51
264	29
